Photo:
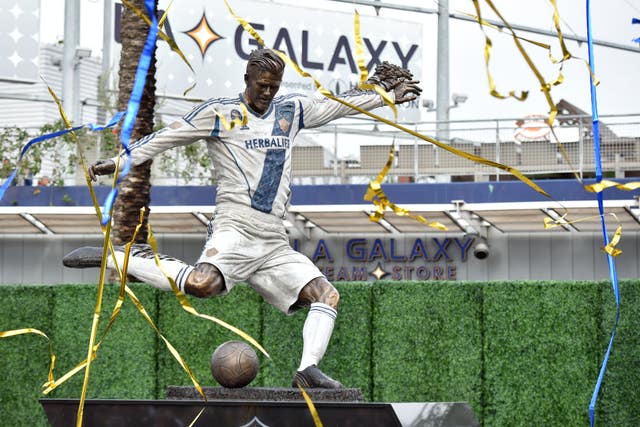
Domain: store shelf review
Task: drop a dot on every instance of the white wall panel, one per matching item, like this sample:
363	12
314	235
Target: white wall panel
33	259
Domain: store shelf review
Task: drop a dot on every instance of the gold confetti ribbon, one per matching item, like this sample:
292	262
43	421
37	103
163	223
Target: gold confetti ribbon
488	46
184	303
605	183
68	124
312	407
189	89
610	248
545	87
374	193
234	122
380	200
556	22
92	348
161	34
14	332
515	172
364	73
564	154
52	384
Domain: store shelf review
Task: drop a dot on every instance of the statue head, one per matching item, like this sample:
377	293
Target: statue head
262	78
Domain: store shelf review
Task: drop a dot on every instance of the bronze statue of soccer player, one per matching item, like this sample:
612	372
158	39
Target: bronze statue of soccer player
246	239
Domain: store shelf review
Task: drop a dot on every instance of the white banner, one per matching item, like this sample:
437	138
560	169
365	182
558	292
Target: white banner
321	42
19	40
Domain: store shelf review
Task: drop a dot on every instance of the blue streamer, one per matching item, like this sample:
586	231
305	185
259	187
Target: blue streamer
133	106
635	21
52	135
610	260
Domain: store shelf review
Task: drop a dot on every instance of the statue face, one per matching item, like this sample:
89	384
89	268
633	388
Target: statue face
262	86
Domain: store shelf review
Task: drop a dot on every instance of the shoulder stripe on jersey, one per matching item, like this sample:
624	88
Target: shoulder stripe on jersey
145	139
197	110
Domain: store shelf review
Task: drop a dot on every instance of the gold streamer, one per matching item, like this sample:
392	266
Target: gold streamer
376	195
106	231
189	89
91	350
240	122
161	34
52	384
52	356
488	45
363	69
189	308
556	22
68	124
329	95
544	86
610	248
566	53
605	183
94	327
312	408
565	155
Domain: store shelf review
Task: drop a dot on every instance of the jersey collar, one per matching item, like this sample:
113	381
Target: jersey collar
260	116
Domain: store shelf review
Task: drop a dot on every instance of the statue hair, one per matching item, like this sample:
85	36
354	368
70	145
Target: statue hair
265	60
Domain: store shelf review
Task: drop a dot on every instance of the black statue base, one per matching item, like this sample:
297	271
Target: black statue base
257	407
178	413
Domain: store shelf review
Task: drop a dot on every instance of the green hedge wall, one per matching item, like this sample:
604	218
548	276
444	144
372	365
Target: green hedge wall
619	401
24	359
427	343
540	350
348	358
126	360
519	353
196	338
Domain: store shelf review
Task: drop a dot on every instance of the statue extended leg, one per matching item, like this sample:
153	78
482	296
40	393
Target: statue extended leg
203	280
318	327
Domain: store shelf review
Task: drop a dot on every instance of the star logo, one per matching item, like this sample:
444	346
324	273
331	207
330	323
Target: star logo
203	35
378	272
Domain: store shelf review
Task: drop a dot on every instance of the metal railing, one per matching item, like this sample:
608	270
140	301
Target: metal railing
356	152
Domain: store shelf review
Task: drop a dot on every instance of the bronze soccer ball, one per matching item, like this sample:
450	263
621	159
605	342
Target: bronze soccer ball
234	364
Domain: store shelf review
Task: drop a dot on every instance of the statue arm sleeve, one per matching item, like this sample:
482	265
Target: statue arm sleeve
319	110
176	134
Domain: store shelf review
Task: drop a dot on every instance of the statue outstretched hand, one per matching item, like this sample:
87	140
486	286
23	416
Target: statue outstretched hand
399	80
101	167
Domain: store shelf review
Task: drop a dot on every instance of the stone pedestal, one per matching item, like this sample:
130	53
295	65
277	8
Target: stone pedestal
231	413
258	407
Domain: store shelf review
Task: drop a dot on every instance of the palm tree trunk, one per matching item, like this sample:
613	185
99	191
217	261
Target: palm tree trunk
135	189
